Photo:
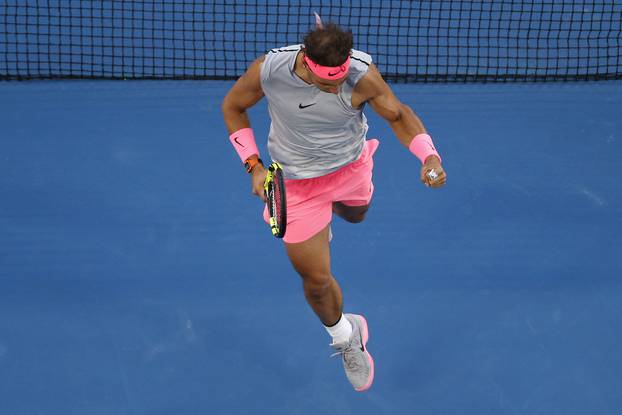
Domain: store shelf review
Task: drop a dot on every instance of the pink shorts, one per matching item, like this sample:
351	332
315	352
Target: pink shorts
310	201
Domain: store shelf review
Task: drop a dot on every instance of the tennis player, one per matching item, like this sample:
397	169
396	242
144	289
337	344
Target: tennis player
316	94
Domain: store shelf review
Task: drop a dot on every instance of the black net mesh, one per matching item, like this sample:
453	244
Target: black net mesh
446	40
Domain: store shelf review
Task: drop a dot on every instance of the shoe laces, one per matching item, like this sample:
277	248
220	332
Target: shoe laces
348	353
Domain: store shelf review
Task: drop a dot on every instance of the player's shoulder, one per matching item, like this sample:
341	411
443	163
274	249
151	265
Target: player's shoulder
360	63
285	50
277	61
371	85
361	57
281	56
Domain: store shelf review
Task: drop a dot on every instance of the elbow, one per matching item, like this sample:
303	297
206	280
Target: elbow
225	105
229	109
229	104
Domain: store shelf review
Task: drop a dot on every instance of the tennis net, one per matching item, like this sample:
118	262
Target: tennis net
429	41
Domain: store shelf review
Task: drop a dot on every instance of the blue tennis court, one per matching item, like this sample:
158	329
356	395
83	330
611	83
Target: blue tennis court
137	276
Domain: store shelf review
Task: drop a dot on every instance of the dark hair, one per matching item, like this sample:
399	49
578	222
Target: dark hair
328	46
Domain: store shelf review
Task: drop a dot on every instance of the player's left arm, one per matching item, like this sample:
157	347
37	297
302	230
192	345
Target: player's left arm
403	121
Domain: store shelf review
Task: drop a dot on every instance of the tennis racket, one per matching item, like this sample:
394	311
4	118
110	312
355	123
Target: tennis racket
274	187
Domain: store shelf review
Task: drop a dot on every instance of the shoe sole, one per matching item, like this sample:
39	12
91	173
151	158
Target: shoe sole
370	360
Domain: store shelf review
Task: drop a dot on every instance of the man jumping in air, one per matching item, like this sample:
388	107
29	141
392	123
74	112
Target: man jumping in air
316	94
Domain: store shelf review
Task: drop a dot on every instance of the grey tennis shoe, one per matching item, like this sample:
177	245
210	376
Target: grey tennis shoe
357	361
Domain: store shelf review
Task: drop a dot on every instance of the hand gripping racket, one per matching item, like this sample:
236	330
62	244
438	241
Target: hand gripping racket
274	187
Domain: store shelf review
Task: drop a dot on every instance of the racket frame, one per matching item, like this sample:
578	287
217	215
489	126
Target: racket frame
275	172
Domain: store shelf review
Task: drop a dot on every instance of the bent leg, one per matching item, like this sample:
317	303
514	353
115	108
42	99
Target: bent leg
311	259
352	214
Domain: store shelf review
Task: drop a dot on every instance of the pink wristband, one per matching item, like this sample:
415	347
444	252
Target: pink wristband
423	147
244	143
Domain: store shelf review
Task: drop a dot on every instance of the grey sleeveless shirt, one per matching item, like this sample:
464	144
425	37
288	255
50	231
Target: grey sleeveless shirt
312	133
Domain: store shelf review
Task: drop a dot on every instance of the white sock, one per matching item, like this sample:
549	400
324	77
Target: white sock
341	331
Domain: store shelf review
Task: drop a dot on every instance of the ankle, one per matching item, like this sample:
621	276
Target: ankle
340	331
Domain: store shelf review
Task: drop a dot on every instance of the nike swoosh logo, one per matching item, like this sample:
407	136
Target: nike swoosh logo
236	140
362	345
305	106
333	74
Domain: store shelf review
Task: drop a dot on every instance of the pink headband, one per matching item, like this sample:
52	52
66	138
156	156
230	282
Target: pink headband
328	72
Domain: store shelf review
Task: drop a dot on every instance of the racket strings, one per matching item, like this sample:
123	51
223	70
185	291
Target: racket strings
276	201
275	192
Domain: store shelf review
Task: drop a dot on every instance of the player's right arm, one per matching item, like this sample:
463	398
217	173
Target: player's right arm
245	93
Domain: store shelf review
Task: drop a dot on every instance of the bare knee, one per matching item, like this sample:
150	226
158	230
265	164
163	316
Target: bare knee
316	285
352	214
355	217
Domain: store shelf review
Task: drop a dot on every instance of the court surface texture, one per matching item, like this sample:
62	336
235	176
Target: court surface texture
137	276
